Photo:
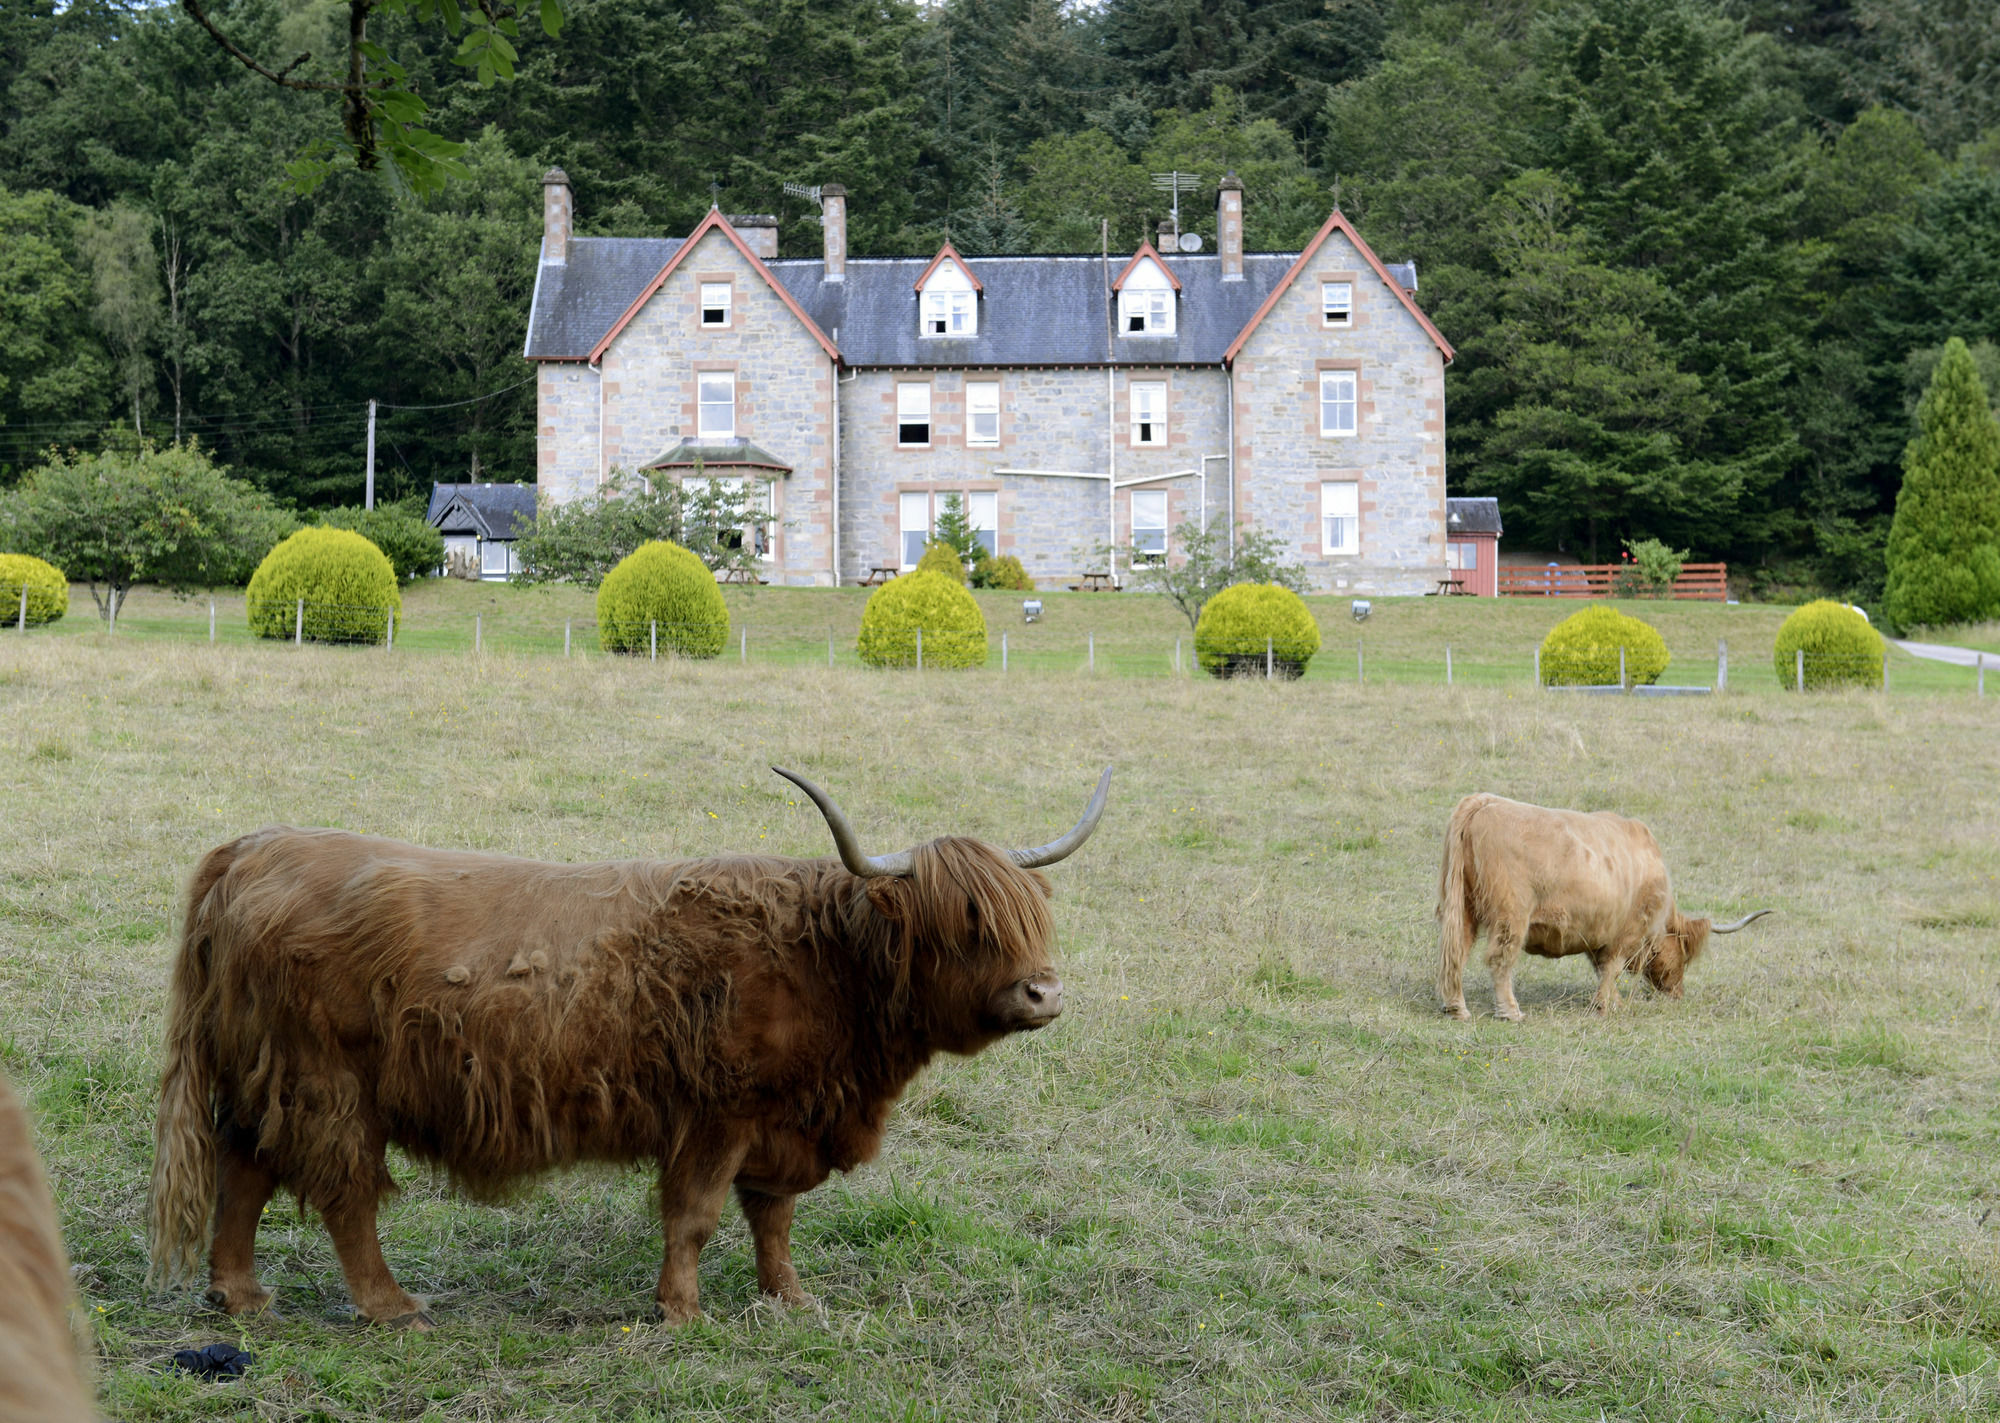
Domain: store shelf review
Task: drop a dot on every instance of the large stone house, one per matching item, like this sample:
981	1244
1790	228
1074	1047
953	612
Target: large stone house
1074	403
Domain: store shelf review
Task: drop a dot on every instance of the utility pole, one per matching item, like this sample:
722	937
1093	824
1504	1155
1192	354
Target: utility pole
369	502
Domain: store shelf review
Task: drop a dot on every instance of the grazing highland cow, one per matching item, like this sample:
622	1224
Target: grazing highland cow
42	1379
747	1021
1559	882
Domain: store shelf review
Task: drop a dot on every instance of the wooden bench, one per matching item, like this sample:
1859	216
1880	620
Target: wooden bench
1094	583
880	573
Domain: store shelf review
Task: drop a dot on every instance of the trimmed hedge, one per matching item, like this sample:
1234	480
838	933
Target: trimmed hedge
48	590
1841	648
1005	572
1243	622
662	584
348	585
1582	650
941	558
954	630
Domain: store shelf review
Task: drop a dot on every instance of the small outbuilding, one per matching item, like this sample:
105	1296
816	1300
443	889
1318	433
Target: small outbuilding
481	522
1472	544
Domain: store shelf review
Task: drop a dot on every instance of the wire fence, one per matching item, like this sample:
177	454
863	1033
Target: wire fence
1033	649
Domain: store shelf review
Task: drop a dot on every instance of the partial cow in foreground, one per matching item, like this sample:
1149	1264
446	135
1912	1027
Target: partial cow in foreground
746	1021
1559	882
42	1379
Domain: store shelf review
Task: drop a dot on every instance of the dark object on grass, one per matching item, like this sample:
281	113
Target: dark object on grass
213	1361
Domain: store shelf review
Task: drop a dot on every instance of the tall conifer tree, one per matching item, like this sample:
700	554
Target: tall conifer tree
1944	546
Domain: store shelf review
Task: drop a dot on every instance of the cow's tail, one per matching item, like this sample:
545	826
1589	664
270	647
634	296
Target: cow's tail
184	1136
1456	914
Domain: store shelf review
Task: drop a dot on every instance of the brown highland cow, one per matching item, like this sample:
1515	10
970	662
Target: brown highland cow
746	1021
42	1378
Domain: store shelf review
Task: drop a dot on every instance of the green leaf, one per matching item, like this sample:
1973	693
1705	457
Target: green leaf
552	18
454	18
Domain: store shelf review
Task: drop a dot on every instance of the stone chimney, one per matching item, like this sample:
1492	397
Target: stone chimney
833	226
1229	227
556	221
1169	238
759	231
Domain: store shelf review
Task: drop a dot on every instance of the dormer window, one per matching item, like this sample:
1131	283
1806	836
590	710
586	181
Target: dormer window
714	303
950	314
1146	313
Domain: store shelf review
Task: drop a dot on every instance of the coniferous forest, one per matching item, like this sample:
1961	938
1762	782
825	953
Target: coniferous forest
1699	257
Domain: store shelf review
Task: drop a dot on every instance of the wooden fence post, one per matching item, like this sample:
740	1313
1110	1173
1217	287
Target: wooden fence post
829	649
478	633
1722	666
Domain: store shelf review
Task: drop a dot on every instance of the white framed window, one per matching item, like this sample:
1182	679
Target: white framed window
950	313
982	412
715	303
1340	516
716	404
1337	404
1149	412
493	561
915	519
1146	311
913	412
759	502
1149	524
1336	303
982	511
1461	556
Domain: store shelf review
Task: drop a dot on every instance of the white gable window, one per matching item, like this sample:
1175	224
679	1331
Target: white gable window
715	303
1149	524
982	412
1336	302
913	412
1149	412
948	302
982	511
1337	403
915	510
716	407
1146	301
1340	516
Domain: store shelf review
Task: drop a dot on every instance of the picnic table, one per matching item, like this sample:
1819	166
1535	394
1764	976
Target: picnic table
741	575
880	573
1094	583
1449	586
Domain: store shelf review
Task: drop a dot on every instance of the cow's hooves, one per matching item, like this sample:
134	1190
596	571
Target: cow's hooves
1506	1016
794	1299
417	1321
676	1315
257	1301
1460	1012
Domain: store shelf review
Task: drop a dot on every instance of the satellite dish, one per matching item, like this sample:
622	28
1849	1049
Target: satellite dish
1190	242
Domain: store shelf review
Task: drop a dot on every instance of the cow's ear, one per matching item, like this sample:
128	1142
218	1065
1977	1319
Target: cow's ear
890	896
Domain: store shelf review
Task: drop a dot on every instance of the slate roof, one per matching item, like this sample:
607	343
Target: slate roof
579	301
493	511
722	453
1472	516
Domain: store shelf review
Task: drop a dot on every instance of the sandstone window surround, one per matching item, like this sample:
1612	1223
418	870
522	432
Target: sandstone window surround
1149	525
914	521
1340	517
716	301
1149	412
715	404
1339	403
1336	303
982	413
913	414
918	510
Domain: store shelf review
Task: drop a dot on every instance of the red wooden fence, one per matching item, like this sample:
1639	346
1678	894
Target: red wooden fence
1706	581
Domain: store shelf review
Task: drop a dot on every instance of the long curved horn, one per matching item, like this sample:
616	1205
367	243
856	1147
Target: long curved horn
1067	845
1732	928
844	838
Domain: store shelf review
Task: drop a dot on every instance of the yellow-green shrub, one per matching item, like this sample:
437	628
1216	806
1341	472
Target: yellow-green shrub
1005	572
48	590
1582	650
942	558
348	585
1841	648
1244	621
954	630
660	584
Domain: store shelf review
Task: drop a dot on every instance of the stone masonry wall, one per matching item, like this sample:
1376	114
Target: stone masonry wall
1397	454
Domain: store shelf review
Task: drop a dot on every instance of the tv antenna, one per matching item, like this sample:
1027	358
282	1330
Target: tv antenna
810	192
1177	183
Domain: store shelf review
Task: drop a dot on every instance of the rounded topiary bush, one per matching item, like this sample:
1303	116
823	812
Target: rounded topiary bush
1006	572
348	585
1841	648
942	558
1245	621
1582	650
661	585
48	590
953	628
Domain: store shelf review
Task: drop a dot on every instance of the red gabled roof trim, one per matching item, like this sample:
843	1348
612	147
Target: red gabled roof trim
1337	222
952	252
1145	250
712	223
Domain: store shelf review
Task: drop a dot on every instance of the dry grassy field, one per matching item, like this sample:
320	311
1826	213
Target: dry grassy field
1251	1173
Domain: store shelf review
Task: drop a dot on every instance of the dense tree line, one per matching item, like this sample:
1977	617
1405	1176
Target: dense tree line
1700	257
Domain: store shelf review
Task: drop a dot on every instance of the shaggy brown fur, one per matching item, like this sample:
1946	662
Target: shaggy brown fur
1553	883
747	1021
42	1378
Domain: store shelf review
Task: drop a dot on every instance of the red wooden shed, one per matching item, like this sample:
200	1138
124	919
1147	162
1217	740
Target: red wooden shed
1472	543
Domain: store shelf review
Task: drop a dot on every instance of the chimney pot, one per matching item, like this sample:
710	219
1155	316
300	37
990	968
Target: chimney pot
759	231
833	228
1229	227
556	217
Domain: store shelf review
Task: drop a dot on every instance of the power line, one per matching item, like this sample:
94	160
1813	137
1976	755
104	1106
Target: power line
454	404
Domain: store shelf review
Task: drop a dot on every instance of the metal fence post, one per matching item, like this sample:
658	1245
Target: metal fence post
478	633
391	642
1003	655
1722	666
1177	657
1447	664
1538	666
566	623
829	647
743	645
1623	683
1981	659
653	639
1799	668
211	620
1885	669
1269	661
920	649
111	622
299	625
23	624
1091	656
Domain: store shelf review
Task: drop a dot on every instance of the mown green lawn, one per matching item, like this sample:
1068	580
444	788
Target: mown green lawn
1250	1173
